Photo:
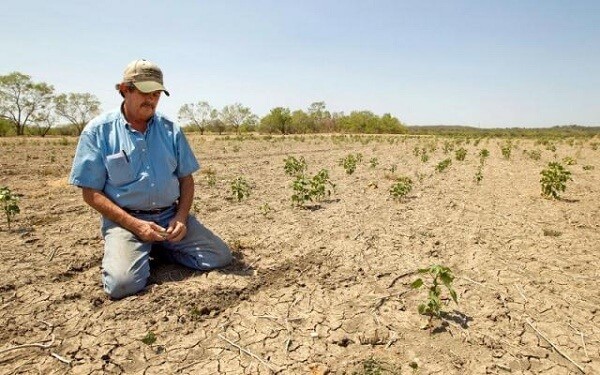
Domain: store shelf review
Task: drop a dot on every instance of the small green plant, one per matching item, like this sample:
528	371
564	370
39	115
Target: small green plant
440	275
10	204
535	154
424	156
401	188
416	151
478	176
149	339
569	160
373	366
393	168
484	153
448	146
293	167
265	209
211	176
240	188
373	162
350	161
460	154
320	185
313	189
441	166
506	150
588	167
554	180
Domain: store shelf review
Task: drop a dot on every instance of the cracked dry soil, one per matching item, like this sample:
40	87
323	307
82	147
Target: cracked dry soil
322	290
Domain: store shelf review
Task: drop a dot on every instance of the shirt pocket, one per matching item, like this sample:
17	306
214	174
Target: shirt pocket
120	171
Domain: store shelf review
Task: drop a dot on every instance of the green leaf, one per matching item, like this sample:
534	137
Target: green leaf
417	283
422	309
446	278
453	295
149	339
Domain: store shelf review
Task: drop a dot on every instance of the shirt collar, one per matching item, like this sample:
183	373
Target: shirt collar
124	122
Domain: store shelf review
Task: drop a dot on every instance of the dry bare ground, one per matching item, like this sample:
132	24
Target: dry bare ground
319	290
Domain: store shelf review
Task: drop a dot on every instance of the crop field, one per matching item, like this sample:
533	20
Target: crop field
328	234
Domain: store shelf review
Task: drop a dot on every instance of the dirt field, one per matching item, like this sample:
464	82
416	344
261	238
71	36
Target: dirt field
324	290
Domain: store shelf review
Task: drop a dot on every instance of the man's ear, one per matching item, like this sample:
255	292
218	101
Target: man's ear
123	88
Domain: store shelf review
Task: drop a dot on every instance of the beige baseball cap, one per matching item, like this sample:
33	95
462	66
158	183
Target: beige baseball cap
145	75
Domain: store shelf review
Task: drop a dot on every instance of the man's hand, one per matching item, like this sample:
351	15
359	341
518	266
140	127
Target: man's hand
176	230
148	231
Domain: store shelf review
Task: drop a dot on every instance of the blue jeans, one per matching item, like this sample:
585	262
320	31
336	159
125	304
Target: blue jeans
126	262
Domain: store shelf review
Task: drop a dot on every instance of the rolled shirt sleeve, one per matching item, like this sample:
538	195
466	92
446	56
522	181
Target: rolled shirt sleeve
88	168
187	162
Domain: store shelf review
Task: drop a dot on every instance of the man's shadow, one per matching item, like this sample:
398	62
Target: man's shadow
163	269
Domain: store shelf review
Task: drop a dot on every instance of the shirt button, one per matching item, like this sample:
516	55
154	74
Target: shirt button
154	203
144	149
152	185
148	167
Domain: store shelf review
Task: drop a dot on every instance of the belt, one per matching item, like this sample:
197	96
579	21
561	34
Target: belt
153	211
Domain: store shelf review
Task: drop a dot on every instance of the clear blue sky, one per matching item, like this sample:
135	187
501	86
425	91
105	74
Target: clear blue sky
482	63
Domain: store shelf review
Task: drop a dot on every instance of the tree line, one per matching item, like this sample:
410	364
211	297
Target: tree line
34	108
236	118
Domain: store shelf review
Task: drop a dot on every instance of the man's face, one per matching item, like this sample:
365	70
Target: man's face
139	105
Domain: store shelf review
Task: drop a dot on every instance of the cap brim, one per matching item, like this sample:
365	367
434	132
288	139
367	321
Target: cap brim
150	86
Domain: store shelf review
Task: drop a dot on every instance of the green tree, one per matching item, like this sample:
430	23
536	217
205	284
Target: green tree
21	99
215	124
77	108
391	125
44	121
368	122
236	115
277	121
301	122
198	115
321	117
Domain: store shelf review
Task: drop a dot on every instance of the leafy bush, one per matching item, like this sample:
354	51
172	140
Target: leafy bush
433	305
554	180
10	204
506	150
293	166
240	188
373	162
441	166
483	154
350	161
401	188
313	189
448	146
535	154
211	176
460	154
